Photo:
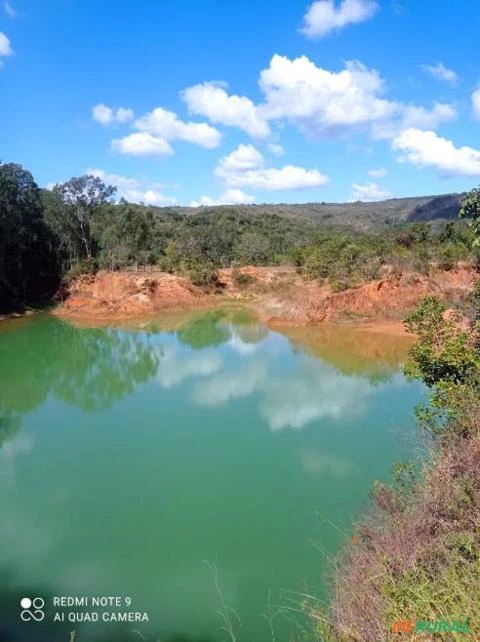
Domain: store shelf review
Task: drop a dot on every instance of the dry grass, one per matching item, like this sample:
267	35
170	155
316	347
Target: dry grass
418	554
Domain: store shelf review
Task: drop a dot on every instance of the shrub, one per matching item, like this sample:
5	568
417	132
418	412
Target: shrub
206	277
242	279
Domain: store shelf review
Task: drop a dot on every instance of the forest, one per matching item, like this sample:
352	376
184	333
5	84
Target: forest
48	236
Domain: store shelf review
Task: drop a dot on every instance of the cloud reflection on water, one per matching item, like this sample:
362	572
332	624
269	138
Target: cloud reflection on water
293	398
315	462
173	368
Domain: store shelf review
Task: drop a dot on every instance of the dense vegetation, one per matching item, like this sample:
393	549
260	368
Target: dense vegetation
76	227
414	564
417	557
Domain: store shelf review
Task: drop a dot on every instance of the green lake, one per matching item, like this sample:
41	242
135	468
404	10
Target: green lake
134	461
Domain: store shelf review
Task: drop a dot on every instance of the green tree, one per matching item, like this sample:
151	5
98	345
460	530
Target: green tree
24	238
78	203
446	358
471	210
442	352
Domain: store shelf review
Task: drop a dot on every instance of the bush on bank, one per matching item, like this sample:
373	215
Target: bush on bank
416	556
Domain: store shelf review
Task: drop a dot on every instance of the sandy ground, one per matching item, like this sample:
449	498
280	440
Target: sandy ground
278	295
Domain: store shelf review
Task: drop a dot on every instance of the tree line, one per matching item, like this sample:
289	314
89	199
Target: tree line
49	235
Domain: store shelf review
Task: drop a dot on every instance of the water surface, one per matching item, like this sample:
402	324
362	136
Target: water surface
129	459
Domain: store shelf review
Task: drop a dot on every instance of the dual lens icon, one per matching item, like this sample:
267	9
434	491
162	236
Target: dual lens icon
32	609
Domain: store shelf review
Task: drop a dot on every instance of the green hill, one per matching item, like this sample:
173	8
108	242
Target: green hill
359	215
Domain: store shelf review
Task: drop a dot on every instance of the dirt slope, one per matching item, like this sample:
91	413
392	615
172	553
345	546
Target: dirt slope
277	293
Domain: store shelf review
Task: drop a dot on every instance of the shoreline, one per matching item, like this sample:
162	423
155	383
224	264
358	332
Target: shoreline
277	296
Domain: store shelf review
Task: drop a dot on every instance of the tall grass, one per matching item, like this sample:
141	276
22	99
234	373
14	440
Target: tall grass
418	551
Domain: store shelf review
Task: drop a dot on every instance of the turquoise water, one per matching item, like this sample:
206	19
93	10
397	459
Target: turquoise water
135	463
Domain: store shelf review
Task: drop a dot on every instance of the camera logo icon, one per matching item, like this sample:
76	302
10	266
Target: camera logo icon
32	609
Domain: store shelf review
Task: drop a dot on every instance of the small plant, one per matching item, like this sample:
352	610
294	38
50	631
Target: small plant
206	277
242	279
229	616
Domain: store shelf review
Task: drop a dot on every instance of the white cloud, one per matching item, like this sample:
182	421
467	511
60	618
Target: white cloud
244	167
5	47
174	369
440	72
102	114
380	172
226	386
322	102
213	102
106	115
142	144
166	125
317	101
231	196
415	117
133	190
311	392
427	149
275	149
240	346
315	391
323	16
10	10
243	158
422	118
287	177
476	103
369	192
124	114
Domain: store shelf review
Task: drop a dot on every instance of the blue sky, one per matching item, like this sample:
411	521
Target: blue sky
209	101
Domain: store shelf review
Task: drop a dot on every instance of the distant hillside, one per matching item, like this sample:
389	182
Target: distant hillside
361	216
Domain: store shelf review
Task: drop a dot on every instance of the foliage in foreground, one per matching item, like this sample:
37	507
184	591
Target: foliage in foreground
417	555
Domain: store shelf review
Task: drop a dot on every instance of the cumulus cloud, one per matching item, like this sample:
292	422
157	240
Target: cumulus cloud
168	126
5	47
271	179
422	118
440	72
379	172
106	115
244	167
175	368
156	129
124	114
317	101
323	16
142	144
243	158
241	347
213	102
231	196
231	385
476	103
133	190
314	392
369	192
427	149
322	102
310	392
